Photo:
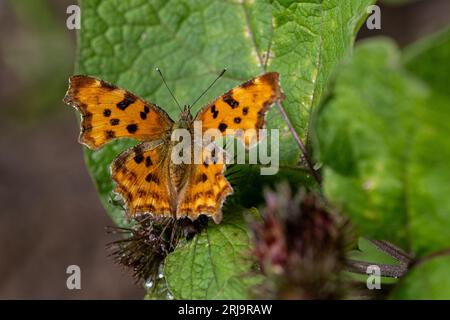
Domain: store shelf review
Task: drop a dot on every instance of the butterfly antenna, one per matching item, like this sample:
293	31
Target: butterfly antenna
165	83
218	77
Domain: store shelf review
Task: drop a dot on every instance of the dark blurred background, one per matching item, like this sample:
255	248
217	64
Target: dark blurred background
50	214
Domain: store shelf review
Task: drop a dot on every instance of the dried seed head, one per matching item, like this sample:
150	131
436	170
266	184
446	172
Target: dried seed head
143	247
301	247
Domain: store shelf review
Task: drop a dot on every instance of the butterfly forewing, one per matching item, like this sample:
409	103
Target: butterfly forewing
243	108
109	112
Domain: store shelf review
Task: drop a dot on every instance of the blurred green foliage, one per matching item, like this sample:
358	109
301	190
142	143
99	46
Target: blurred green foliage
428	280
383	139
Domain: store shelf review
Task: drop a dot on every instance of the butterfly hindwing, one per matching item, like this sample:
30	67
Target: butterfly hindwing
109	112
243	108
206	188
141	174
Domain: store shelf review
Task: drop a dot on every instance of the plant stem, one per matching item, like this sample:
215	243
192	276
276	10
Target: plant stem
441	253
398	254
387	270
302	147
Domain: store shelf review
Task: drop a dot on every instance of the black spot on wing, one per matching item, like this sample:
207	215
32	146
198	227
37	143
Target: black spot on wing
106	112
148	161
127	100
214	112
201	178
222	127
141	193
151	177
114	122
109	134
107	85
132	128
248	83
138	158
228	99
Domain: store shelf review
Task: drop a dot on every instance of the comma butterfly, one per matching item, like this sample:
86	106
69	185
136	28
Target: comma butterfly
145	176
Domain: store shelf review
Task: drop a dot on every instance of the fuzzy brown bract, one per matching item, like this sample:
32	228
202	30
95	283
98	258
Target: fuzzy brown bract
301	246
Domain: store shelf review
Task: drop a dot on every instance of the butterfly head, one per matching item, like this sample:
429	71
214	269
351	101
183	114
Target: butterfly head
185	119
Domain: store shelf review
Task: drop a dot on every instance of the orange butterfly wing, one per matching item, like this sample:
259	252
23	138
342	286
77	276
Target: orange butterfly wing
243	107
109	112
206	188
141	174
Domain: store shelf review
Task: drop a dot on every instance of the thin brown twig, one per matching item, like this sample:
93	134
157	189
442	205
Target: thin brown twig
386	270
398	254
441	253
299	142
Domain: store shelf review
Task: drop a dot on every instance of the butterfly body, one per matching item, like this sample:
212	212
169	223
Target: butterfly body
146	176
179	172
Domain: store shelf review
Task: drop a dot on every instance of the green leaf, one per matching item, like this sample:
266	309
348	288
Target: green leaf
363	134
429	59
216	263
429	176
309	40
249	185
382	138
428	280
370	253
122	41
